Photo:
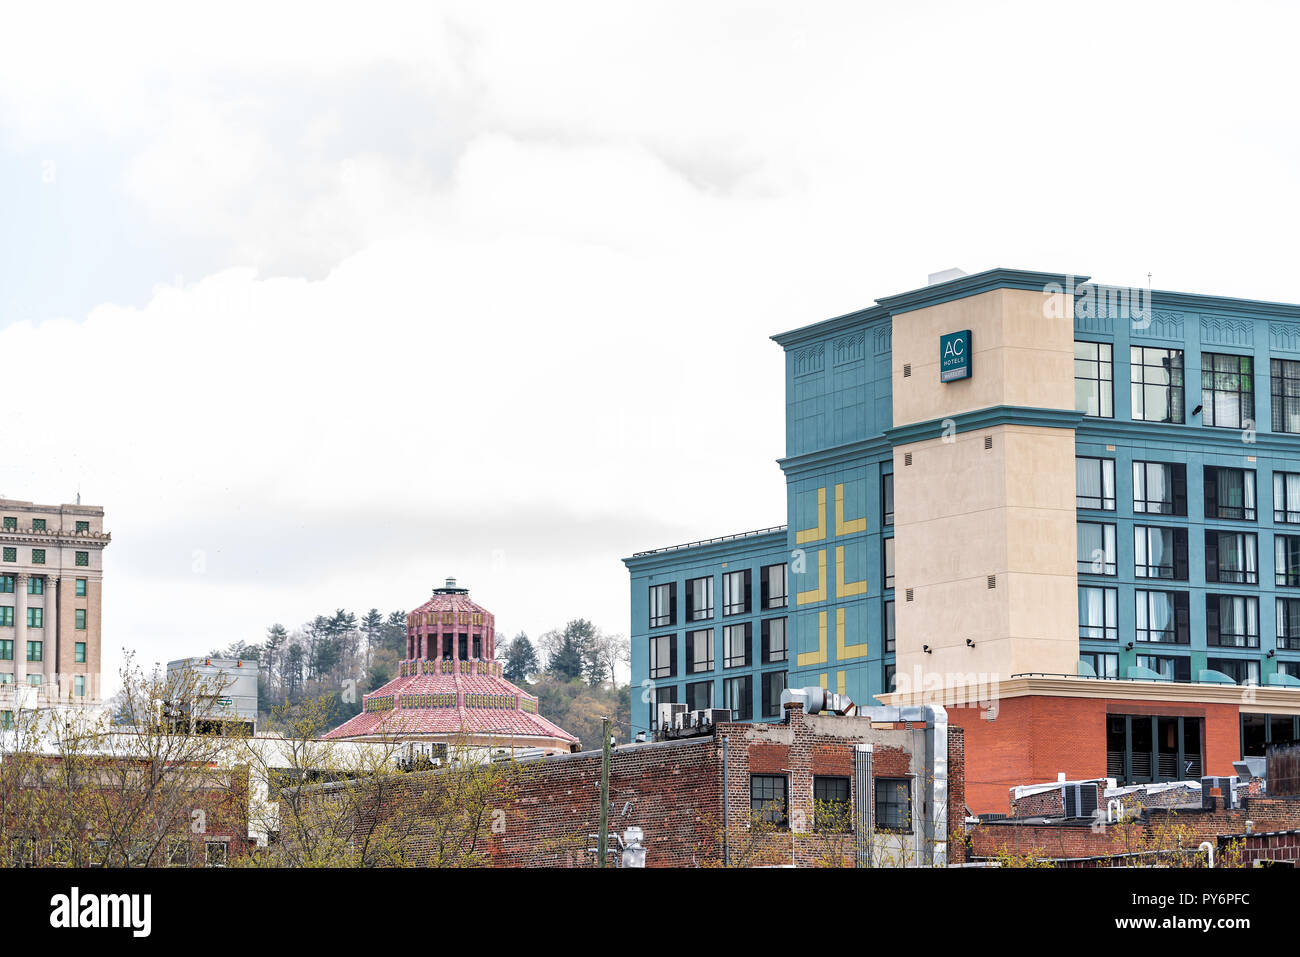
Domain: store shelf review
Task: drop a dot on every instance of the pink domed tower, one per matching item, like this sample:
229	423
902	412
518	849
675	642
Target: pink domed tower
450	690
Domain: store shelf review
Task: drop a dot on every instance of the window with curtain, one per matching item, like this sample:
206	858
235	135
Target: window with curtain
1093	379
699	651
775	644
1231	557
1232	621
1230	493
1241	670
1227	390
1094	483
1288	623
1161	616
1156	379
1286	394
1098	618
1096	548
1286	560
1160	552
1104	665
1286	497
1160	488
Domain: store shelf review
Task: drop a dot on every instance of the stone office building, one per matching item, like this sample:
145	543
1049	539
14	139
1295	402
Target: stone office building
51	577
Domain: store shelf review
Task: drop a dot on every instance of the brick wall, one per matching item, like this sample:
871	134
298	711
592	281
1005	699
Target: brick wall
673	790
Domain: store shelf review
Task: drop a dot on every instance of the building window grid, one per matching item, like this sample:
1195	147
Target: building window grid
1160	552
1095	483
1285	376
894	804
1160	488
1227	391
736	592
1094	379
776	585
1231	621
1098	613
833	804
775	640
1157	384
769	799
1096	548
736	645
1230	493
1161	617
1231	558
699	651
1286	560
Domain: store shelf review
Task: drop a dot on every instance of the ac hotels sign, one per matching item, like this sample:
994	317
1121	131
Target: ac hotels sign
954	356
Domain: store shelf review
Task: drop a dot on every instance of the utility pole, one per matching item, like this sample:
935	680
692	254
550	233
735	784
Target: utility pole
604	793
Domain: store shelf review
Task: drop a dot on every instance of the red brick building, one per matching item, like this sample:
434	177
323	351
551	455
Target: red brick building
680	792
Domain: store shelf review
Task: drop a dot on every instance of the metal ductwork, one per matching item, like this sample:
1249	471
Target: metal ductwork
817	699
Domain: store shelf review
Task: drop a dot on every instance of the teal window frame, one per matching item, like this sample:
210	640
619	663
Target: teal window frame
81	588
38	647
80	653
79	615
35	617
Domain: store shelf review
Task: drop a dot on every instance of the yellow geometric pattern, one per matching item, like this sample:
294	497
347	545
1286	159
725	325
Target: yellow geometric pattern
844	652
839	682
821	679
845	589
852	525
817	657
806	535
818	593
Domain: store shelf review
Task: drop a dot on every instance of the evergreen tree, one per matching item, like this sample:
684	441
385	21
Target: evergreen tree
566	650
520	659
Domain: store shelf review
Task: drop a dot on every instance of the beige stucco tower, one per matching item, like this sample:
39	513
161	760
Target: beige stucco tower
985	487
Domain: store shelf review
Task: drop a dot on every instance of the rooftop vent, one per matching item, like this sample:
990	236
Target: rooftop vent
945	275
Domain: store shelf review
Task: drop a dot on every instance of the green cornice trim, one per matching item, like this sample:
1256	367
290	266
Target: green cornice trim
983	419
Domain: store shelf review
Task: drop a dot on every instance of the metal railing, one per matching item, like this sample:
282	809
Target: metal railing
712	541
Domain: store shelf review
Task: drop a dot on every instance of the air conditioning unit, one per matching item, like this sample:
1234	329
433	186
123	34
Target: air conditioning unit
715	715
668	714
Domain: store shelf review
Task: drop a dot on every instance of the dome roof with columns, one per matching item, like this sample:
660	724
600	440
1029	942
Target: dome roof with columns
449	687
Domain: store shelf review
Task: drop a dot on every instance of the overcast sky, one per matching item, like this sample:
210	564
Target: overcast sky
323	304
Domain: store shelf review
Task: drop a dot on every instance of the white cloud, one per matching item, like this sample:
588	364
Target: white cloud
471	286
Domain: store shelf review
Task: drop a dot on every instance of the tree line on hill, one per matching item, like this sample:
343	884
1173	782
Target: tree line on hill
573	670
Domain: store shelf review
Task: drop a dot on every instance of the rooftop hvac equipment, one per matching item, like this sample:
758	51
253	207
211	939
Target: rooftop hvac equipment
816	699
668	714
1079	800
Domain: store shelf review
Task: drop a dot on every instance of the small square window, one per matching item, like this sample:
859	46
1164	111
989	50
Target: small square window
215	853
83	526
83	559
11	554
11	523
38	524
894	804
38	556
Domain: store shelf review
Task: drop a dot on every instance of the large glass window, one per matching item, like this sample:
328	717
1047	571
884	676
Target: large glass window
6	616
1098	617
663	656
699	695
894	804
1286	497
735	592
699	598
773	685
775	586
736	645
1096	548
1288	623
35	617
1230	557
1286	560
1143	748
1227	391
663	605
768	798
1157	384
1244	671
1093	379
775	645
1169	667
1104	664
1286	394
1094	483
1230	493
1160	552
35	585
1160	488
699	651
1162	616
738	697
1232	621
